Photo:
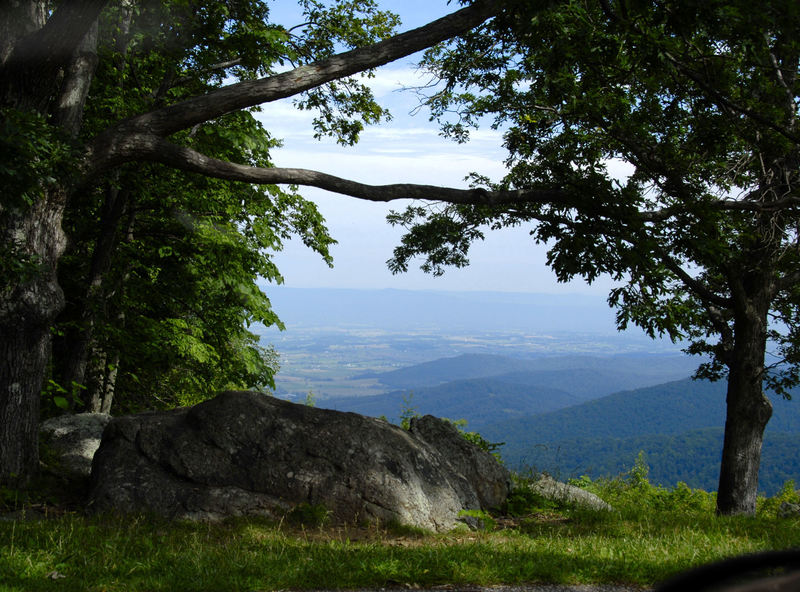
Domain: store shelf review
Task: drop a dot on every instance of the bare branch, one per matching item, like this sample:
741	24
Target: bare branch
779	77
730	205
721	326
165	121
155	149
211	68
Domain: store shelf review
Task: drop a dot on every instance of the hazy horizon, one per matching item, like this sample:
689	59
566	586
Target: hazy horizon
444	311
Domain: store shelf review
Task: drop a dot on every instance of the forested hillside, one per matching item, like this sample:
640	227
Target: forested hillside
575	415
479	401
692	457
678	425
669	408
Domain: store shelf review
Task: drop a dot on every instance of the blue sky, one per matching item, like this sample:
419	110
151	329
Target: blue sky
406	149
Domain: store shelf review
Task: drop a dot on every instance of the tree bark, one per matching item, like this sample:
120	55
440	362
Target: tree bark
50	68
23	357
748	409
109	383
34	64
27	311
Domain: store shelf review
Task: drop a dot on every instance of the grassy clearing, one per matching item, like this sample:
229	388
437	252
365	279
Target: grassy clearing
653	533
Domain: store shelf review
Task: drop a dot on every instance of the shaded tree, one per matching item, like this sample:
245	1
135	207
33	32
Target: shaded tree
48	60
162	257
700	100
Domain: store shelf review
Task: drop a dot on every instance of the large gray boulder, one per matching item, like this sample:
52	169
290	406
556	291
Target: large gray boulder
244	453
73	439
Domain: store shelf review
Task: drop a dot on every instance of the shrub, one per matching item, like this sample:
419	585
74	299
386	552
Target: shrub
633	493
768	507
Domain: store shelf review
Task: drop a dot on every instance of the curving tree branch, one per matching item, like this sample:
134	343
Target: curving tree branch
182	115
701	290
148	147
31	67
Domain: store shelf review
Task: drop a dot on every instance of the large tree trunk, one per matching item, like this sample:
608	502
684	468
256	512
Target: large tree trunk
748	410
46	68
28	310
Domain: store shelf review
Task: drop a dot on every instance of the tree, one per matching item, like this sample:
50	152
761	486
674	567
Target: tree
48	60
166	257
700	99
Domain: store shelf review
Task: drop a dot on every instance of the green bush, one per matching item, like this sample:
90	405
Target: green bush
632	493
767	507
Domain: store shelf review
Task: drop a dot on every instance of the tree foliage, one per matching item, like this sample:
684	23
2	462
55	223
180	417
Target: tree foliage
700	101
579	90
698	98
171	258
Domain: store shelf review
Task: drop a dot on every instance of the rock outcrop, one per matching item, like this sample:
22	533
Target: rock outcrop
556	491
245	453
74	439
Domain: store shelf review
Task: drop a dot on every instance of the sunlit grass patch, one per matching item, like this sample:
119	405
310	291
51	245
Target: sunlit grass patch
651	534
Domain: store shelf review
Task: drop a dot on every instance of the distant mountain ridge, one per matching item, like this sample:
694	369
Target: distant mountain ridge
443	370
665	409
478	311
628	369
478	400
483	388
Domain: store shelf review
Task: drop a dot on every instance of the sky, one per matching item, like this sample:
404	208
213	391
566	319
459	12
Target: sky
407	149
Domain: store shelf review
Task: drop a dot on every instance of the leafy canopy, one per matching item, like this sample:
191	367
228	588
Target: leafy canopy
179	294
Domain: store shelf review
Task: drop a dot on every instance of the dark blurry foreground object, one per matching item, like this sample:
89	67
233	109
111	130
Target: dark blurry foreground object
770	571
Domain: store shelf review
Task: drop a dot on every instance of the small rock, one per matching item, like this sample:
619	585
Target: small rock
554	490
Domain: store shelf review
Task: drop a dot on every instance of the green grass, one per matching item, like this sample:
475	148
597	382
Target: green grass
653	533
